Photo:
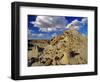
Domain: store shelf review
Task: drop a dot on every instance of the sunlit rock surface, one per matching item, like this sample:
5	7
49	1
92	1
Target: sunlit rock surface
70	48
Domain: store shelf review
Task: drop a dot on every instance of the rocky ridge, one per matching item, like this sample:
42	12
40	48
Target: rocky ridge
70	48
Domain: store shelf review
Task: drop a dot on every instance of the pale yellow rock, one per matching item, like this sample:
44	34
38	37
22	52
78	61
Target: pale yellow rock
64	59
58	52
71	40
35	51
30	55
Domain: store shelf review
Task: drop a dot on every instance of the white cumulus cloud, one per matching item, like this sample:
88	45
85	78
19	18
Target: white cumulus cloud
74	24
49	23
32	35
38	36
84	21
77	24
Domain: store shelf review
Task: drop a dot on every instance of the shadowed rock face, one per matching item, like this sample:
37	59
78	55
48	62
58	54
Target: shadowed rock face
70	48
40	49
32	60
73	54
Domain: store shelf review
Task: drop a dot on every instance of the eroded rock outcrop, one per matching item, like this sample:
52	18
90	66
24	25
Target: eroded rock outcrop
70	48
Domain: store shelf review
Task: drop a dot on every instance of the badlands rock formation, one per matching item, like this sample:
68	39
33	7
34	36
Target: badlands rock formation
70	48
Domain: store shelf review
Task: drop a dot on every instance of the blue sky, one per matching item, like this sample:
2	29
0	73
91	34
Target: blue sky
46	27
